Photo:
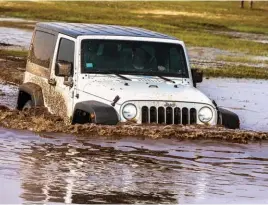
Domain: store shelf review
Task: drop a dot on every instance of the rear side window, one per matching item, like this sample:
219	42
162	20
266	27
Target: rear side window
42	49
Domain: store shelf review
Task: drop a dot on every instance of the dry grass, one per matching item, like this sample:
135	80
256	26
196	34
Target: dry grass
237	72
240	59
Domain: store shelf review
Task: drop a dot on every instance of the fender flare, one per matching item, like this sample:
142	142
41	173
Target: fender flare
228	119
34	90
100	113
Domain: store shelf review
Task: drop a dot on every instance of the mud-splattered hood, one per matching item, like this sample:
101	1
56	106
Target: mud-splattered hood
141	88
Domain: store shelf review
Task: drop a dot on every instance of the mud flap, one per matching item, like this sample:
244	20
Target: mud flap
228	119
100	113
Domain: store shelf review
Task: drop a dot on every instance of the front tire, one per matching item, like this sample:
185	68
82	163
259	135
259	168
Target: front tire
81	117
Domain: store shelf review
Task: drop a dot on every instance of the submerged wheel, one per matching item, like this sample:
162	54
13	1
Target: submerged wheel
81	117
28	105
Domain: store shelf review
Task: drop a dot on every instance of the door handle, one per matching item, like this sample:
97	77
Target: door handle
52	82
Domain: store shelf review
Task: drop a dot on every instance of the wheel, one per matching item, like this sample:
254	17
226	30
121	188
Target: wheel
81	117
28	105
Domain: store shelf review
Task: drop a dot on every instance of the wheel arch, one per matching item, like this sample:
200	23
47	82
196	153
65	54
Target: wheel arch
98	112
228	119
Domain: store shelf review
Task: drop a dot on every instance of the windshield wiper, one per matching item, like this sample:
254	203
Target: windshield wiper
114	73
123	77
166	79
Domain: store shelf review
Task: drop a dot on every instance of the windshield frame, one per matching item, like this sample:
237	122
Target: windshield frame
137	39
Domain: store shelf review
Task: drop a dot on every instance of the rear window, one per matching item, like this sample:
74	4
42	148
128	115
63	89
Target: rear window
42	48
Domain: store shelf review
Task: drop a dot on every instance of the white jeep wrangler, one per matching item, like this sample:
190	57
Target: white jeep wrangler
106	74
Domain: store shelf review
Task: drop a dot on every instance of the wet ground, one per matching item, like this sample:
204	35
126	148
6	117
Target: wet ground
205	57
260	38
12	71
66	169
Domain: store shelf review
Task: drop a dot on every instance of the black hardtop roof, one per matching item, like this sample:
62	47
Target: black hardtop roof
78	29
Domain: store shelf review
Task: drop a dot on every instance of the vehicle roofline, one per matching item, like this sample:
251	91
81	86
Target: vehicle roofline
77	29
130	38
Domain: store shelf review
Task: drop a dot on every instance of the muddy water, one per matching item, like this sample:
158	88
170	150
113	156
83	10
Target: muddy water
54	168
8	95
14	36
246	97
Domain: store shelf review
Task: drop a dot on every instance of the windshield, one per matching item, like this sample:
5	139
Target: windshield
133	57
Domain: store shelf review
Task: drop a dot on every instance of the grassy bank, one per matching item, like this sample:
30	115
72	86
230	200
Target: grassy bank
193	22
244	59
14	53
237	72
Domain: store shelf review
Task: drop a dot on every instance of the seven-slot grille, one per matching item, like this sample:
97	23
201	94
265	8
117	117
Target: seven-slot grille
168	115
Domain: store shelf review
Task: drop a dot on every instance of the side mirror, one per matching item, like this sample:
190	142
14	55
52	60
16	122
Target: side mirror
197	76
63	69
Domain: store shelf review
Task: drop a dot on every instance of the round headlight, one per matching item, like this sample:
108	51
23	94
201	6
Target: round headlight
205	114
129	111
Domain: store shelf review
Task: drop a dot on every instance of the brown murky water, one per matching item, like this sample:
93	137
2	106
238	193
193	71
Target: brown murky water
19	37
66	169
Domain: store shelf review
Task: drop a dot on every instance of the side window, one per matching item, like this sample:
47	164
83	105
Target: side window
42	48
65	52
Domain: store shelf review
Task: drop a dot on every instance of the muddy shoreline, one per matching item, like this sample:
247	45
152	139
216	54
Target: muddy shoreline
12	72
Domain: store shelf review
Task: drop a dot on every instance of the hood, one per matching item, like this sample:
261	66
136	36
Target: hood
140	88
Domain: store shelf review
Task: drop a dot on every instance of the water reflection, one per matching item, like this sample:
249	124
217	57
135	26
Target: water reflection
65	169
17	37
89	173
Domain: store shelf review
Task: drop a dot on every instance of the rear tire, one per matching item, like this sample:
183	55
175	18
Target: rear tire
28	105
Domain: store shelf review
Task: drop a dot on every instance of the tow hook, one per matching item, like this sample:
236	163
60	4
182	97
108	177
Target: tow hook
115	100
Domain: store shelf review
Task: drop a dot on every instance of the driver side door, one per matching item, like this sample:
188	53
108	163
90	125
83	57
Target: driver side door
62	94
